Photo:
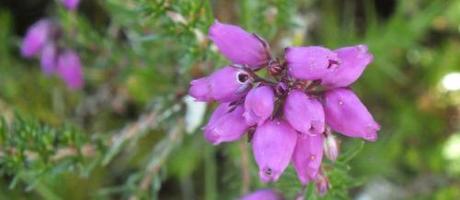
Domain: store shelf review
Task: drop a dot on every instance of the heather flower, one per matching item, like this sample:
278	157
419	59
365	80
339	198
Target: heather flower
307	157
226	124
304	113
353	61
259	105
239	46
273	144
224	85
310	63
48	59
70	4
347	115
36	38
293	111
263	194
70	70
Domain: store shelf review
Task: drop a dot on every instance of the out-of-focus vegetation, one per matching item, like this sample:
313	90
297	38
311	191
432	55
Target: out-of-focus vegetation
125	134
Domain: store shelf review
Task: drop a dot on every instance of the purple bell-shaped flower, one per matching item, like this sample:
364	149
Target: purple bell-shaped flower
226	124
259	105
304	113
224	85
70	70
239	46
307	157
347	115
36	37
273	144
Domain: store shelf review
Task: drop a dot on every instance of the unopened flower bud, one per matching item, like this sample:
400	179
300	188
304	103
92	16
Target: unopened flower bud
281	89
331	148
304	113
275	67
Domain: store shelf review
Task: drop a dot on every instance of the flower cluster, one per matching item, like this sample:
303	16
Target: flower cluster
43	39
289	114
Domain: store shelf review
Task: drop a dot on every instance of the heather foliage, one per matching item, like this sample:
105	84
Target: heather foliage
94	104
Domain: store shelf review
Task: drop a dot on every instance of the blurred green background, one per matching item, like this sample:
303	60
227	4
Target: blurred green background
129	133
